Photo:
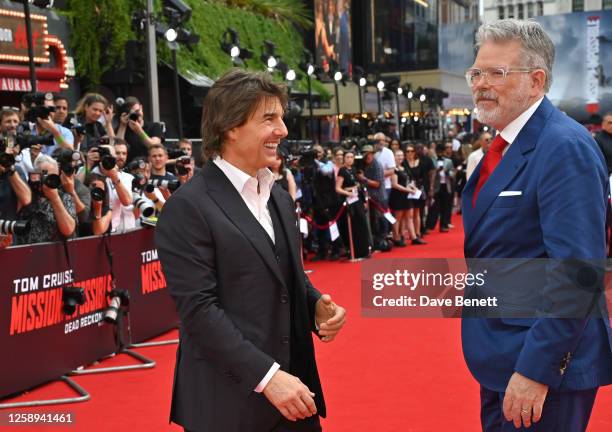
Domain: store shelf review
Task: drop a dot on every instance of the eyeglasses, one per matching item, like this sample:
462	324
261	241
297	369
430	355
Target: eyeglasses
493	75
409	151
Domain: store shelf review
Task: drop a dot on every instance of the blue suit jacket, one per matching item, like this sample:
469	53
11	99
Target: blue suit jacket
561	214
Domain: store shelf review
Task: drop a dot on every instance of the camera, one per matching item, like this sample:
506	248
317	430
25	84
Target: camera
71	297
36	106
182	165
52	181
7	141
97	194
134	116
14	227
117	298
171	185
107	160
139	182
25	139
68	160
136	164
176	153
144	205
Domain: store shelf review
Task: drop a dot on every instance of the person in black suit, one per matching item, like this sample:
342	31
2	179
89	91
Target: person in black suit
228	244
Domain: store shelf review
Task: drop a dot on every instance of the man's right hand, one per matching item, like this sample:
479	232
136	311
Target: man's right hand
290	396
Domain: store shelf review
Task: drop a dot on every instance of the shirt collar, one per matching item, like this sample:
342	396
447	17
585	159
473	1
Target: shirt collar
239	178
511	131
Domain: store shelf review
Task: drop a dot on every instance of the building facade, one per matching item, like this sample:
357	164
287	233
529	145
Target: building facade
524	9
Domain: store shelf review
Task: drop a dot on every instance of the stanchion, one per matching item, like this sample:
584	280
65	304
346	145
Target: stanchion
84	396
123	348
350	234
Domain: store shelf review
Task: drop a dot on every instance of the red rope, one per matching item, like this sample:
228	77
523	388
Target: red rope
379	207
330	223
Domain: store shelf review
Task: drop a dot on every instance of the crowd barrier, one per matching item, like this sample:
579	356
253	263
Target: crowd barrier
40	342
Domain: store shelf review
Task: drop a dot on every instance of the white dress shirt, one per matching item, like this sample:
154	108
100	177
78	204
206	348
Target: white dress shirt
511	131
472	162
255	192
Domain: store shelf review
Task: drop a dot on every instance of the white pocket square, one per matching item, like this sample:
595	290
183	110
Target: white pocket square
510	193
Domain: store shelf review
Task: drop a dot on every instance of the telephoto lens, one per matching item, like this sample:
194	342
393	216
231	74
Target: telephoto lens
52	181
14	227
171	185
145	206
149	188
97	194
108	162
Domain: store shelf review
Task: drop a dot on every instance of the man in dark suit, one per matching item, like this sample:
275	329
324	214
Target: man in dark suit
228	243
539	192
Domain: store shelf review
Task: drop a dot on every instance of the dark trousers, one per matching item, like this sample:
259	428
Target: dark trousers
322	216
440	209
567	411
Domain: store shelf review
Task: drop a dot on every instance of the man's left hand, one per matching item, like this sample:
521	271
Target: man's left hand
524	400
329	317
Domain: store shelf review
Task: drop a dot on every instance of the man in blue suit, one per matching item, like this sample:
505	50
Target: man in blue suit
540	192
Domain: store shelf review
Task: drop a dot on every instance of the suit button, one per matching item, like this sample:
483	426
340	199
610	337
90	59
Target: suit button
284	298
278	258
285	340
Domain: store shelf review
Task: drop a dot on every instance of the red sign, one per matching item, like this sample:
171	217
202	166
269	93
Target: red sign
14	41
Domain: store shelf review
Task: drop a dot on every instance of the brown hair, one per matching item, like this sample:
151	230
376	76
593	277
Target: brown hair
8	112
88	99
231	101
155	147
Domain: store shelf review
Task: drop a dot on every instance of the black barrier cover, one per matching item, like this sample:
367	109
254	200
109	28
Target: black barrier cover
39	342
138	269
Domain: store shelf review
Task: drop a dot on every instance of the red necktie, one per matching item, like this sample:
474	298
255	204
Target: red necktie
491	159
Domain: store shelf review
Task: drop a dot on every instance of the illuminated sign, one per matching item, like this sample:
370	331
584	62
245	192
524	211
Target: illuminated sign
14	41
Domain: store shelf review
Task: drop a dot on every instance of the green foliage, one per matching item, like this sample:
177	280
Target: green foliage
294	11
100	29
211	19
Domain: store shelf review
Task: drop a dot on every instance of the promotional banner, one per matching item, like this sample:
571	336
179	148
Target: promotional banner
333	40
41	337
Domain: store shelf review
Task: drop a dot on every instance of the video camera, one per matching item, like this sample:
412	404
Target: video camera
35	103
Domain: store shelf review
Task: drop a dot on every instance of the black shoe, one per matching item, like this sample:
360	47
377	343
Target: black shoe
399	243
317	258
334	257
418	241
443	230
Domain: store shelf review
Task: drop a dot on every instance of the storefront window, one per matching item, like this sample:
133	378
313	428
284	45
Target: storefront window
404	34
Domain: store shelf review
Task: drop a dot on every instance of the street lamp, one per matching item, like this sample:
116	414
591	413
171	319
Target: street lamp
338	76
361	81
307	65
380	86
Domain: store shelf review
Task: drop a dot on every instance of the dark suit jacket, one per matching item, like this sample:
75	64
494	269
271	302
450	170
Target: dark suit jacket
233	305
560	215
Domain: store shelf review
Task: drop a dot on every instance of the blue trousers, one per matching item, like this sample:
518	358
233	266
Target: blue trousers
566	411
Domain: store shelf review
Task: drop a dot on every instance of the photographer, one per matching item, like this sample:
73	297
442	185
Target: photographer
14	191
101	216
442	189
133	129
122	149
92	108
60	116
68	161
51	213
9	121
158	158
373	178
39	128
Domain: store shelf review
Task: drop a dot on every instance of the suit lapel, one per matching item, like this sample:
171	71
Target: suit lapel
510	165
231	203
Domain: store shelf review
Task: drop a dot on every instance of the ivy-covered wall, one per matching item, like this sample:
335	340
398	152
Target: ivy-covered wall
101	28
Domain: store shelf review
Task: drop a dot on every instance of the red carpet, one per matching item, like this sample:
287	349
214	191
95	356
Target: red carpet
380	375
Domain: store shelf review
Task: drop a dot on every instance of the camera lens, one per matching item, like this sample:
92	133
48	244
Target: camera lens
149	188
52	181
97	194
108	162
68	169
7	160
181	169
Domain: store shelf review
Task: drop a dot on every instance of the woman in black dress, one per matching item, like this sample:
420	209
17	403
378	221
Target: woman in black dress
347	187
283	176
416	171
401	186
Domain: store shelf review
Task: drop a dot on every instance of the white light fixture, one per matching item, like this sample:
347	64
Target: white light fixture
422	98
170	35
486	128
272	62
410	95
403	119
337	76
310	70
362	82
234	51
380	85
290	76
416	118
400	91
475	110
